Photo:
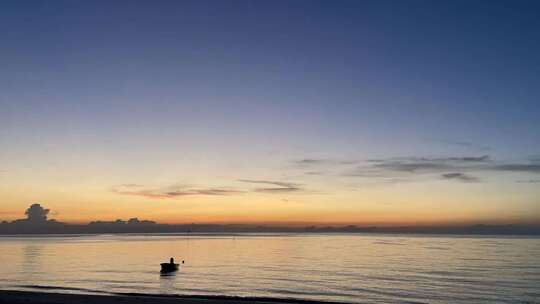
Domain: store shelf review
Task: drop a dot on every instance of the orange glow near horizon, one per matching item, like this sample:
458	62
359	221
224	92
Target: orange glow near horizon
258	209
309	200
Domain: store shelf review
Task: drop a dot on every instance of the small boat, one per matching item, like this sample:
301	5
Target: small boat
169	267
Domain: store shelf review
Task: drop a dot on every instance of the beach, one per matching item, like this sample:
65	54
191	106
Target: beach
26	297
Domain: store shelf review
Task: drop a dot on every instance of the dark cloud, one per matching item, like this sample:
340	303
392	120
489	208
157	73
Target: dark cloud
310	161
216	191
452	159
36	213
529	181
36	221
279	187
423	164
348	162
364	172
459	177
483	158
412	168
170	192
530	168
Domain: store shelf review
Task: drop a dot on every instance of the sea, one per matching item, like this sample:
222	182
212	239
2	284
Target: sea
351	268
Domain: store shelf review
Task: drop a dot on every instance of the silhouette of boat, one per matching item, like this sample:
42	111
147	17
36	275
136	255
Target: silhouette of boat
169	267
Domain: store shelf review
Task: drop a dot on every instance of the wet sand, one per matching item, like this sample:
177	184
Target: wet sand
30	297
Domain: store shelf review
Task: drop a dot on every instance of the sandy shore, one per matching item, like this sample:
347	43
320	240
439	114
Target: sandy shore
30	297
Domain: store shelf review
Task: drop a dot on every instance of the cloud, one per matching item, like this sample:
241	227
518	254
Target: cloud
278	187
460	167
323	161
459	177
315	173
452	159
534	159
464	144
423	164
529	181
530	168
411	167
483	158
36	213
170	192
177	191
310	161
322	166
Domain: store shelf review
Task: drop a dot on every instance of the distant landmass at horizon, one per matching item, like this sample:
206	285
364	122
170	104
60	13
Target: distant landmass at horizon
37	222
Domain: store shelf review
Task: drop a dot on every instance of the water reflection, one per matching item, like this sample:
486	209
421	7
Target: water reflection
348	268
32	263
32	254
167	283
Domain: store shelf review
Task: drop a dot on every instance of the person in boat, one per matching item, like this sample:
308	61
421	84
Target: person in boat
169	267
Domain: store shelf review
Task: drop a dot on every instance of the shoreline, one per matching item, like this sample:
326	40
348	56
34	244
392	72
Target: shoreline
40	297
271	234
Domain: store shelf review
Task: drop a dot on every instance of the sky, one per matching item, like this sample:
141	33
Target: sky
291	112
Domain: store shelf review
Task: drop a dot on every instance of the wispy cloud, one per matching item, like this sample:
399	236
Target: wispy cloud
457	168
276	186
306	162
467	159
464	144
534	159
315	173
529	181
462	177
422	164
322	166
531	168
310	161
169	192
411	167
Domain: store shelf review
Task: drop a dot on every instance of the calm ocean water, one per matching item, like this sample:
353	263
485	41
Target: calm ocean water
345	267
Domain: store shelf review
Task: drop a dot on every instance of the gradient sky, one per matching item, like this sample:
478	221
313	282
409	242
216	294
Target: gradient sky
361	112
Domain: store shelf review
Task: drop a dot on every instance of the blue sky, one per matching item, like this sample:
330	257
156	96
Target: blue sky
208	91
